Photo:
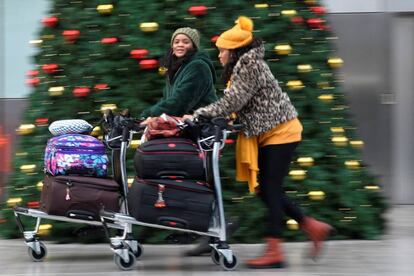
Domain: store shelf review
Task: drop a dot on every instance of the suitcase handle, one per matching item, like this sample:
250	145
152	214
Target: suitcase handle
80	214
173	222
172	174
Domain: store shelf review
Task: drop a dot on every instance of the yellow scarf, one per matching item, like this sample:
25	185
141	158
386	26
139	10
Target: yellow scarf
246	160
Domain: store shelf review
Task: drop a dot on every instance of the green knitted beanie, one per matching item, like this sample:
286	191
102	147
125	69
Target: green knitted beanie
191	33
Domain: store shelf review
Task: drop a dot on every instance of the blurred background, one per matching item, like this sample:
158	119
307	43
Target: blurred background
375	39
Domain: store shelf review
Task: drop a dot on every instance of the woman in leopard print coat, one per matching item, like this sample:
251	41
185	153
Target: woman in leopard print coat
271	131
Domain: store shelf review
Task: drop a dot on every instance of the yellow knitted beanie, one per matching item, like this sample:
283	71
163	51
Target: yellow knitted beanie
238	36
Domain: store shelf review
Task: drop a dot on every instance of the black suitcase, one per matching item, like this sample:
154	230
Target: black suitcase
169	158
176	203
78	196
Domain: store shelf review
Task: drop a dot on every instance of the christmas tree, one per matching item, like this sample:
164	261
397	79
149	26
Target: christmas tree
97	55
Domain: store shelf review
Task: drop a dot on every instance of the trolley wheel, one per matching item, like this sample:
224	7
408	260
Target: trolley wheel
139	251
38	257
125	265
215	256
227	265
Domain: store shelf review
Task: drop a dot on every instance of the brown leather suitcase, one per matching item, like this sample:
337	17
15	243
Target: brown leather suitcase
78	196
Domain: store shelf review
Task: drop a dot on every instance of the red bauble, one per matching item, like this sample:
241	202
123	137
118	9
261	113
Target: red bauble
33	204
109	40
197	10
32	73
214	38
229	141
139	53
71	35
148	64
297	20
81	92
315	23
50	68
41	121
50	22
101	86
33	82
318	10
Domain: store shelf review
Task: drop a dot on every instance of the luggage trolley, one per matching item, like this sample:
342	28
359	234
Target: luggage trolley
221	254
36	248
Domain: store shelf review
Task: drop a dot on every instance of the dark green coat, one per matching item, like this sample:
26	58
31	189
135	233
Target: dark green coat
192	87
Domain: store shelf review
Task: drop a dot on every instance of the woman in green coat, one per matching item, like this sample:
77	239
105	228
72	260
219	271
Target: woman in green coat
190	77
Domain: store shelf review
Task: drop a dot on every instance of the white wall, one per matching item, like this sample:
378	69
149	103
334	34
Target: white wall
352	6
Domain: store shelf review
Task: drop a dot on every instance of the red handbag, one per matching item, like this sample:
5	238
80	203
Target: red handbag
163	126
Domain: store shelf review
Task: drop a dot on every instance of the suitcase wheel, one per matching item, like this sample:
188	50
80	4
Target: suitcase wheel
37	256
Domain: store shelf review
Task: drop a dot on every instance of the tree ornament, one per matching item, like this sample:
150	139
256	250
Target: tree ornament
340	141
139	53
106	107
13	201
197	10
149	27
315	23
304	68
105	9
36	42
81	92
109	40
297	174
214	38
162	70
44	229
292	224
318	10
297	20
135	144
289	12
50	68
261	6
96	131
33	82
283	49
326	98
50	22
41	121
353	164
32	73
372	187
335	62
148	64
229	141
48	37
316	195
33	204
305	161
311	2
101	86
71	35
29	168
39	185
25	129
295	84
56	91
357	144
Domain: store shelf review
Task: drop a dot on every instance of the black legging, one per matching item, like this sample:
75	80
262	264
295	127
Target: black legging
274	161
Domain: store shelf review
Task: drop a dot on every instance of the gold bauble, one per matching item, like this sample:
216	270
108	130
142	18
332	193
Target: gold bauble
316	195
25	129
305	161
304	68
130	181
292	224
352	164
357	144
337	130
289	12
135	144
323	84
13	201
105	107
48	37
162	70
295	84
36	42
96	131
297	174
326	97
283	49
372	187
340	141
261	6
44	229
311	2
39	185
335	62
105	9
149	27
29	168
56	91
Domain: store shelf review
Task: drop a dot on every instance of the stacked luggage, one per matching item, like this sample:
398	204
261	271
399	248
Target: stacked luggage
170	186
76	166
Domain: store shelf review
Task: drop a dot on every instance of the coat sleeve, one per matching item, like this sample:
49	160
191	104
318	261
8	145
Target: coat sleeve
187	93
245	84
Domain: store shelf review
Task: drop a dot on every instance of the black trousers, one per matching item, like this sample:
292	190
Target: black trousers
274	161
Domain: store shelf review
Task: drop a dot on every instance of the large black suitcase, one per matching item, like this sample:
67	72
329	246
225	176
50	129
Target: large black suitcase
176	203
78	196
169	158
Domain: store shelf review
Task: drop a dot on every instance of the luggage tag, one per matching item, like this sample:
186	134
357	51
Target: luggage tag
160	203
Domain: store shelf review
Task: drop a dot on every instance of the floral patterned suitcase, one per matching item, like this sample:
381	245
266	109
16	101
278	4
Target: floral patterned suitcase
76	154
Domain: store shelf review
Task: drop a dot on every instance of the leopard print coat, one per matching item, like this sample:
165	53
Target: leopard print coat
255	96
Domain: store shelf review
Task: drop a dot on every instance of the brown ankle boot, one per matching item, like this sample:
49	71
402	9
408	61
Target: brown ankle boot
317	232
272	257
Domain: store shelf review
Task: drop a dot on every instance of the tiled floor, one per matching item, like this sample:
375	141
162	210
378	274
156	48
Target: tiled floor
393	255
